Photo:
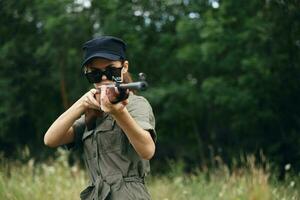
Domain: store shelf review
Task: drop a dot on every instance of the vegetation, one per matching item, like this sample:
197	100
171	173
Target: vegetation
223	75
57	180
224	82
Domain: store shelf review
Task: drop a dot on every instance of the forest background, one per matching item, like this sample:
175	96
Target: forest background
223	75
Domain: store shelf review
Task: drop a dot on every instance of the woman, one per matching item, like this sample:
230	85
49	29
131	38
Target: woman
118	139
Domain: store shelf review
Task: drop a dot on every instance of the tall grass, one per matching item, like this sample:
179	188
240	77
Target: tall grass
247	183
57	180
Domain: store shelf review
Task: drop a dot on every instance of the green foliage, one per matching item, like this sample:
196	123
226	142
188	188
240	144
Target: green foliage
57	180
223	74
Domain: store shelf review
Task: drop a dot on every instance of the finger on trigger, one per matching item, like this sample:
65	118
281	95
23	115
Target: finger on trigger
97	90
94	101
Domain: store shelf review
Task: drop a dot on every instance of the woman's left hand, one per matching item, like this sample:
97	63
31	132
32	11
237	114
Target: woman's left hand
107	106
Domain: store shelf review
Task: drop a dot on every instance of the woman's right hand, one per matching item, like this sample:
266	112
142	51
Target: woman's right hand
61	131
91	100
92	108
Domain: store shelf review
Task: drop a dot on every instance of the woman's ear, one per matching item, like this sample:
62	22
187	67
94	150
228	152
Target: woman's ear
125	67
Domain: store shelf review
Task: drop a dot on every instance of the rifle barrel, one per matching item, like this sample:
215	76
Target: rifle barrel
140	85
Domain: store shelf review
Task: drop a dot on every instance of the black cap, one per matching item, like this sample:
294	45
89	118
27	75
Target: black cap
107	47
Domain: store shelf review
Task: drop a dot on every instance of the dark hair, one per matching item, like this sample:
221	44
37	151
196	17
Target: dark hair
128	79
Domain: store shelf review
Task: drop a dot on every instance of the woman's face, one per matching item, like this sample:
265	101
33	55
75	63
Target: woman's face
102	64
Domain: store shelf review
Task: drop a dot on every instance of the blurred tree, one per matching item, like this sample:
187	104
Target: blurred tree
40	55
223	74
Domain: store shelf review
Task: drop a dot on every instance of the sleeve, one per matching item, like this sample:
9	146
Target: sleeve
79	127
142	112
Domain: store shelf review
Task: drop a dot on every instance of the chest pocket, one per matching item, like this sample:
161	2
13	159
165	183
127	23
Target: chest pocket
88	144
109	136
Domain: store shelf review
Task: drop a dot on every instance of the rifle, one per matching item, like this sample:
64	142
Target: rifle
116	97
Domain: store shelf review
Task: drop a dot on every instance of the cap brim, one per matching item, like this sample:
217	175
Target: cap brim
108	56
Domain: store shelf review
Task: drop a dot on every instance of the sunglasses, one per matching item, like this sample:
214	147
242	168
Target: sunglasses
112	73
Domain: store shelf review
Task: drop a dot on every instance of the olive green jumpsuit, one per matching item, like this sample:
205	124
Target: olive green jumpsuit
116	171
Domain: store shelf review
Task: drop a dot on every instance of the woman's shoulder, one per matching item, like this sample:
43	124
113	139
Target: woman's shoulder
137	101
134	97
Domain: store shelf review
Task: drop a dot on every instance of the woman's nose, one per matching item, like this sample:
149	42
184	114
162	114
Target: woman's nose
104	78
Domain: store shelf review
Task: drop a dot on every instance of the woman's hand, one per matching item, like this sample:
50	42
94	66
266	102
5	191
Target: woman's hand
61	131
91	100
105	103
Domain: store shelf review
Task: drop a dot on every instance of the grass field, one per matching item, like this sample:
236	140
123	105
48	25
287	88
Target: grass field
56	180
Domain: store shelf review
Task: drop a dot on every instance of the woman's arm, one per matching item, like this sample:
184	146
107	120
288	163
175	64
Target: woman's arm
140	139
61	131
